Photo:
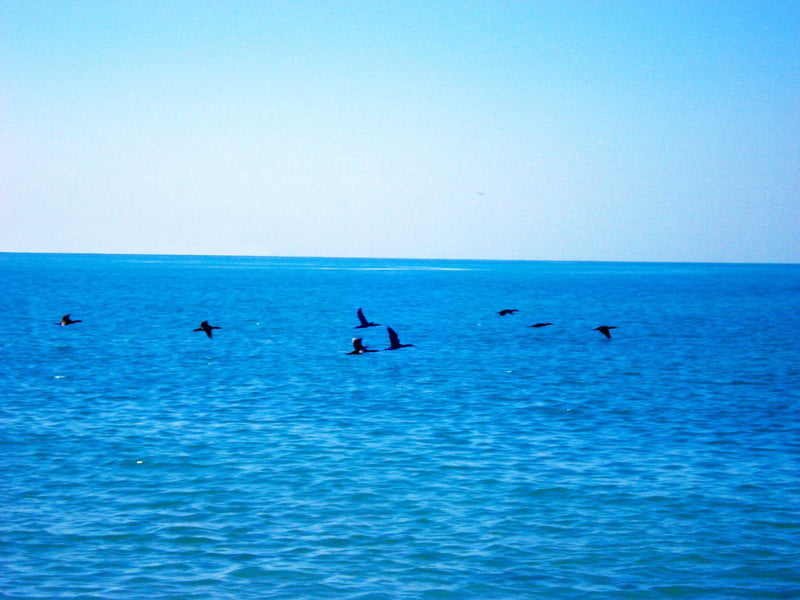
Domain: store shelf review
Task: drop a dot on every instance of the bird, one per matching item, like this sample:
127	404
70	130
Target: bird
507	311
540	325
359	348
394	341
204	326
363	320
65	320
604	330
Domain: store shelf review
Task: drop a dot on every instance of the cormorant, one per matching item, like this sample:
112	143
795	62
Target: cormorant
395	341
204	326
604	330
359	348
507	311
65	320
363	320
540	325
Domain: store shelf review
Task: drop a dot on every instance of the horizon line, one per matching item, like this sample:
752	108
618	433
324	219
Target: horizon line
310	256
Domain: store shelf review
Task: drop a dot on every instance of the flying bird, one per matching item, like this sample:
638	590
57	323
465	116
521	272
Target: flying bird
363	320
507	311
540	325
204	326
359	348
394	341
604	329
65	320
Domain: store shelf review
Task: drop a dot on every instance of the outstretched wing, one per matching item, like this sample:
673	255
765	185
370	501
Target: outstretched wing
604	330
394	341
362	318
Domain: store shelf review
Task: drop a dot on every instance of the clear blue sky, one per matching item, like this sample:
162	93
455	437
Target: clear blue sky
511	130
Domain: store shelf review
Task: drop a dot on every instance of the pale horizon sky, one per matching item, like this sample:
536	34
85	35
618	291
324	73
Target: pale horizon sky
634	131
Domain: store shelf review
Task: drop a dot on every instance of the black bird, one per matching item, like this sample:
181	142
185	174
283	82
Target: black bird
204	326
363	320
359	348
395	341
540	325
65	320
604	330
507	311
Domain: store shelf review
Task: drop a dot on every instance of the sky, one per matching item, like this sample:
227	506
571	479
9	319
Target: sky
620	131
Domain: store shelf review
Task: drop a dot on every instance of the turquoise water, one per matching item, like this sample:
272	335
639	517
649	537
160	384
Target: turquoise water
141	459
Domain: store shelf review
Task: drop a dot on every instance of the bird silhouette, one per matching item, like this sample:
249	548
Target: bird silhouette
507	311
363	321
204	326
604	329
540	325
394	341
65	320
359	348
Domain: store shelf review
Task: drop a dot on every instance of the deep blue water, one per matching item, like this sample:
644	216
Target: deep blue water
141	459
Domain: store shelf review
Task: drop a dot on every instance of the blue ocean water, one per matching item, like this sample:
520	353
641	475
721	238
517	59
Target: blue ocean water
141	459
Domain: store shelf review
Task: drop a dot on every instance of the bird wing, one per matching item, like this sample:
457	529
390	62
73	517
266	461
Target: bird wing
362	318
394	341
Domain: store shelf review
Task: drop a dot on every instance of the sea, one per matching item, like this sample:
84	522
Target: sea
140	458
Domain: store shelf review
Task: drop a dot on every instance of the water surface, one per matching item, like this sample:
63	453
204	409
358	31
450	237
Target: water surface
491	460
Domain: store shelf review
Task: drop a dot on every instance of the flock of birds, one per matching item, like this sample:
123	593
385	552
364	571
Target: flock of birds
394	341
358	343
604	329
